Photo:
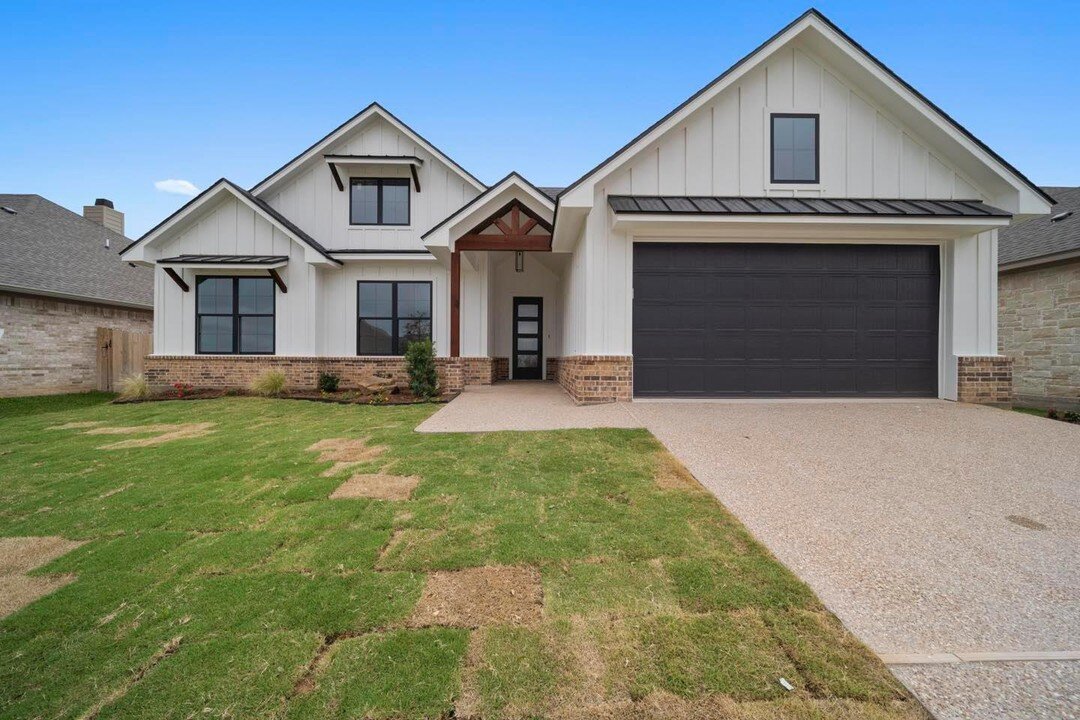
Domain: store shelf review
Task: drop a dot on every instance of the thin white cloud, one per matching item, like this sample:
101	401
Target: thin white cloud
177	187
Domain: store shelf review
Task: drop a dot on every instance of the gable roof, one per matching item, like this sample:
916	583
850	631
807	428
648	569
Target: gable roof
810	16
374	109
1044	237
510	179
49	250
257	204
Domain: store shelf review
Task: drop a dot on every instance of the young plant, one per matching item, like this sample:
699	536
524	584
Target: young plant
420	362
134	387
270	384
328	382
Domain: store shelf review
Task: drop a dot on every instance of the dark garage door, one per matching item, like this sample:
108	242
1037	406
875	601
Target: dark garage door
774	319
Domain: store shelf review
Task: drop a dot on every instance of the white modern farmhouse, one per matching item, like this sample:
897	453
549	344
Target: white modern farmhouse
808	224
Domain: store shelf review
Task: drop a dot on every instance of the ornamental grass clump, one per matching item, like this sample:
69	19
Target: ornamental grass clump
270	384
134	387
420	361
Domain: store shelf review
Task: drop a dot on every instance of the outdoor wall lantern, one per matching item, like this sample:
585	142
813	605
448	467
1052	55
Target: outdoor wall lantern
519	261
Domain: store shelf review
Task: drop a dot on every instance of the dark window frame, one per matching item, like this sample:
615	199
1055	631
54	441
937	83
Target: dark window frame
381	182
772	148
395	320
235	315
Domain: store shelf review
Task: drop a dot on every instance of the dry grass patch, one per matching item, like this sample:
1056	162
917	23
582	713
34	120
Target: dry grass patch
670	474
20	555
76	425
345	453
478	597
165	433
378	486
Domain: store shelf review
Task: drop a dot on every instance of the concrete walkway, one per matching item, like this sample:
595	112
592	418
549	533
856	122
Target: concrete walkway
945	536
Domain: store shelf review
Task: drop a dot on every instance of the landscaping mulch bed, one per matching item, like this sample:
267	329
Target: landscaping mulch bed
341	397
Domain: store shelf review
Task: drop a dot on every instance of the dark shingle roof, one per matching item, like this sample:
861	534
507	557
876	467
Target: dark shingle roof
1043	236
669	205
551	192
50	250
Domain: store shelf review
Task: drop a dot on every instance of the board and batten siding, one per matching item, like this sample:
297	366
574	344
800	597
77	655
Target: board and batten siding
232	228
313	201
723	148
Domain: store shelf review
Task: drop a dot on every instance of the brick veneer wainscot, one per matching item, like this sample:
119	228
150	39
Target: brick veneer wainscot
597	378
50	345
986	380
239	371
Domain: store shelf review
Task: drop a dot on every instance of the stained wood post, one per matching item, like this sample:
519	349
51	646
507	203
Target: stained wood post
455	304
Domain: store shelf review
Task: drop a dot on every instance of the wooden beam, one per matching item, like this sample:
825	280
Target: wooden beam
337	178
529	243
177	279
506	229
415	177
455	304
529	225
277	280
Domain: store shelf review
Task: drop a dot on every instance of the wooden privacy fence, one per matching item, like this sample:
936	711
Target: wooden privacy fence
120	353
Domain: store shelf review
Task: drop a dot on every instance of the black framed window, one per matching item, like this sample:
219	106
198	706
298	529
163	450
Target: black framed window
795	151
234	315
390	315
379	201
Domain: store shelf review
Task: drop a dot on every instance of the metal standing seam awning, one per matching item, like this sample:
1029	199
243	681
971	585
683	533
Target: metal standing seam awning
806	206
270	263
411	161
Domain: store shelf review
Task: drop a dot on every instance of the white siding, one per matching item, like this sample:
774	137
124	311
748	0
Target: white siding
313	201
723	148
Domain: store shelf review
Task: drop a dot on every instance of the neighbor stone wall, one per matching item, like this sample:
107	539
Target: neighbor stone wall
1039	328
50	346
986	380
597	378
239	371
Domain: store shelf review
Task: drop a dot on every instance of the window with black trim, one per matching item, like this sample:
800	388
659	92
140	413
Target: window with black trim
390	315
794	148
379	201
234	315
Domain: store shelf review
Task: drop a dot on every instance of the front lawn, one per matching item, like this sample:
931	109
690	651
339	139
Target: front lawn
562	574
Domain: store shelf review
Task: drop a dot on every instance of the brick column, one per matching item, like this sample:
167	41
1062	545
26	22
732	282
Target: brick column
984	379
597	378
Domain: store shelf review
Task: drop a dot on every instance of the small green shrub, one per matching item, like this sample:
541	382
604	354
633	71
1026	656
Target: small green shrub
134	387
271	383
420	361
1071	416
328	382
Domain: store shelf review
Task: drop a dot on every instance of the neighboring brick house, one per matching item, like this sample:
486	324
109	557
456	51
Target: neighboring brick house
61	279
1039	304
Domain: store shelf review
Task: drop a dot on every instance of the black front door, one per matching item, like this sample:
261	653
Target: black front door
528	338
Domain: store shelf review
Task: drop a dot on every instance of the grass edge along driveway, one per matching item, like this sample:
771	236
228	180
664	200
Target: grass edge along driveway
558	574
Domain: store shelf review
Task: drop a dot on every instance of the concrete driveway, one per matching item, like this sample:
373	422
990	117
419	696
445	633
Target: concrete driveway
945	536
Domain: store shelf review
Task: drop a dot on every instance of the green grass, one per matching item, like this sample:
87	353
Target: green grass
218	579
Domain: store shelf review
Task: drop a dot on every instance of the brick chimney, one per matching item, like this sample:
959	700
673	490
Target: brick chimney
103	213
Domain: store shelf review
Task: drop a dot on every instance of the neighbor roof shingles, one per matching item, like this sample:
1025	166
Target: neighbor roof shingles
47	249
1040	236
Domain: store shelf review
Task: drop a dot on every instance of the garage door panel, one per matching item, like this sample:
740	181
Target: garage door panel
776	319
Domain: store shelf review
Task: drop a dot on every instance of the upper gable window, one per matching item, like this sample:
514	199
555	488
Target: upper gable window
379	201
794	148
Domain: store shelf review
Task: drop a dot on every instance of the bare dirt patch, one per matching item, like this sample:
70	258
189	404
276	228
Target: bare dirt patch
377	486
478	597
345	453
670	474
114	491
20	555
164	434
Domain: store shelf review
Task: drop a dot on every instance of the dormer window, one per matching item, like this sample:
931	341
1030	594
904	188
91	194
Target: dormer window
794	148
379	201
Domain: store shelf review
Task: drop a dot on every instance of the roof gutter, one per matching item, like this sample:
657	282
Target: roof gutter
76	298
1054	259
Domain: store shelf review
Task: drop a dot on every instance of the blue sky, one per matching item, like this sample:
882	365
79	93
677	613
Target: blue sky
104	99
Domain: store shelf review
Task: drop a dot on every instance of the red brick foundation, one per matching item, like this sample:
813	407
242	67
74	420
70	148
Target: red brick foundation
479	370
597	378
986	380
239	371
552	371
500	368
